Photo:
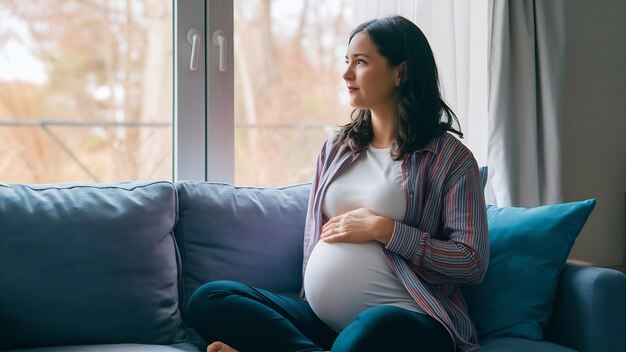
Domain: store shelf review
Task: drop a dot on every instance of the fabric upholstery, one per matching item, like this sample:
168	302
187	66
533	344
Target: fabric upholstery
88	264
245	234
529	248
513	344
126	347
590	310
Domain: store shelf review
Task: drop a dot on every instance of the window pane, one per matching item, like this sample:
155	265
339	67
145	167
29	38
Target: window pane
289	94
85	90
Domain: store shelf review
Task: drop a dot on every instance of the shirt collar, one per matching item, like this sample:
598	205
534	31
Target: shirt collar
432	146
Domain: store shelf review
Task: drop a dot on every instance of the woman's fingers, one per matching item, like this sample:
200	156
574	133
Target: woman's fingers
335	238
331	224
329	231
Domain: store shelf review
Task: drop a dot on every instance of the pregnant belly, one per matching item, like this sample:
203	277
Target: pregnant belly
344	279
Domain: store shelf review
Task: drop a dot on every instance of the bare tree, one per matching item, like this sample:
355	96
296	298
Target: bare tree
294	82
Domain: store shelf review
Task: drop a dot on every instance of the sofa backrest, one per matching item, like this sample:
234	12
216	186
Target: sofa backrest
88	264
251	235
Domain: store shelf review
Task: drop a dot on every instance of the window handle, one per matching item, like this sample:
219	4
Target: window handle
219	39
193	37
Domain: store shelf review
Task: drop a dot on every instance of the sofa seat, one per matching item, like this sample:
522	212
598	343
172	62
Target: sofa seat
513	344
121	347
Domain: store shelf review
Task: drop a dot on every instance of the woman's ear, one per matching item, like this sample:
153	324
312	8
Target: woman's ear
401	73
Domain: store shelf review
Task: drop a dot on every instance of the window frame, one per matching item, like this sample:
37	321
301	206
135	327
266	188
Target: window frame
203	99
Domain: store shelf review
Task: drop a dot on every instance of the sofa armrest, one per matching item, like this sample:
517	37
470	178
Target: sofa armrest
590	310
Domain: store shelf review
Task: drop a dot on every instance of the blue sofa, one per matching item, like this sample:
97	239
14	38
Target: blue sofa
110	267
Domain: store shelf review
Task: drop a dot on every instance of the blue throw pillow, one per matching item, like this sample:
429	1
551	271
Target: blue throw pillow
484	172
528	248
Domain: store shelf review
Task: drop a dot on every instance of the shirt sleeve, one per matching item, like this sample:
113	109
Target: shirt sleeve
463	257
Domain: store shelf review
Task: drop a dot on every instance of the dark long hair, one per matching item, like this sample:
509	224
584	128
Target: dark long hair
422	113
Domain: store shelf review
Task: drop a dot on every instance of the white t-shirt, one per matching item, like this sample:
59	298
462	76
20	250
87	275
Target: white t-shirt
344	279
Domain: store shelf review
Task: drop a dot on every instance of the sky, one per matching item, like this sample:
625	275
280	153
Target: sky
17	62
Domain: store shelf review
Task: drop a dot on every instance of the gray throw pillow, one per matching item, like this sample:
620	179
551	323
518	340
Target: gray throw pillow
245	234
88	264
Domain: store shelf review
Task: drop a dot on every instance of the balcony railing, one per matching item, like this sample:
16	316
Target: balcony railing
47	124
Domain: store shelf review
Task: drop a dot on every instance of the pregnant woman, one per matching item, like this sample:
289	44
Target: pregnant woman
395	222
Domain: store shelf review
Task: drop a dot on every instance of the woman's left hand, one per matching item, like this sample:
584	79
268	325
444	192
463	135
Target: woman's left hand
357	226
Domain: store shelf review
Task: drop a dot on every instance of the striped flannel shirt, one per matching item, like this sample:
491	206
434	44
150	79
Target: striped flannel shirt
442	241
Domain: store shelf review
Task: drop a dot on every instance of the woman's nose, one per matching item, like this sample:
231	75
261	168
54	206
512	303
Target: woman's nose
347	74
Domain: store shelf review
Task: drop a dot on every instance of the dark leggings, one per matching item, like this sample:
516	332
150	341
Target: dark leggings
252	319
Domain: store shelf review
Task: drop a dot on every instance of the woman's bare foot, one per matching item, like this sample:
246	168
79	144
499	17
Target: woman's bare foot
220	347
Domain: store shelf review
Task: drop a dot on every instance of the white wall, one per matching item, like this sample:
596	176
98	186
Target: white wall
594	125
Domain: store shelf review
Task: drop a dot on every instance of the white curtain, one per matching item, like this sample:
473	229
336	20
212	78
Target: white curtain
457	31
525	101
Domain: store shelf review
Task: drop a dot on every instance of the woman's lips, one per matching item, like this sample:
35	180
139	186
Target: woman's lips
352	89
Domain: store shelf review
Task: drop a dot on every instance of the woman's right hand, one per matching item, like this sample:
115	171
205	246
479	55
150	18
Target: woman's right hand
357	226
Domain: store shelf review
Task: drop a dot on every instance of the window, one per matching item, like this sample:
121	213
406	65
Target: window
236	91
289	94
87	89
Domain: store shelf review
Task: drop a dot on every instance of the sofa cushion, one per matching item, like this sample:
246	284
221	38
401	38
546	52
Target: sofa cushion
513	344
88	264
528	250
245	234
126	347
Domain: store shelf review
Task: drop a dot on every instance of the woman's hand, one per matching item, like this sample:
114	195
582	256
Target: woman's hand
357	226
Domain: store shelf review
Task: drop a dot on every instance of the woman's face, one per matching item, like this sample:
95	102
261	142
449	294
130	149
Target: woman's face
371	82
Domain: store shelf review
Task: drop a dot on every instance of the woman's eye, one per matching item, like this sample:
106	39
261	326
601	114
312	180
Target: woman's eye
359	61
